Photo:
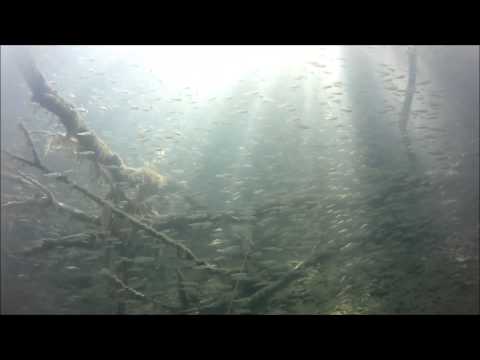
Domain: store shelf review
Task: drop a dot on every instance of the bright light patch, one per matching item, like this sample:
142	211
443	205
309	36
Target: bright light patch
213	70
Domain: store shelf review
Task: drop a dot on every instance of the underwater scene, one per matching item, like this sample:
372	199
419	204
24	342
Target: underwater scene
329	180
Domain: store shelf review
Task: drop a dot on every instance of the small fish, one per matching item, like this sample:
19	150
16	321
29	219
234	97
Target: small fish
86	153
273	248
217	242
424	82
240	276
267	263
143	259
316	64
231	250
84	133
449	202
72	268
53	174
205	267
201	225
257	254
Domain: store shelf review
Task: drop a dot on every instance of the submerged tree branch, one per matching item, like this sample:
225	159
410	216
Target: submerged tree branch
48	200
49	99
134	221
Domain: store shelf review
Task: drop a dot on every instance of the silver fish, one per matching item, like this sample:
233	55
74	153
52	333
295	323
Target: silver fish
231	250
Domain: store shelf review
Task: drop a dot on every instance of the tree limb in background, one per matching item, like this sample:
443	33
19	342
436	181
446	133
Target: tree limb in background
182	293
407	104
234	292
410	91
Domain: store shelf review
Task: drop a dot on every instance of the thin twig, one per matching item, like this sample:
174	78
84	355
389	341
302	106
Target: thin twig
36	159
47	192
82	240
135	293
236	284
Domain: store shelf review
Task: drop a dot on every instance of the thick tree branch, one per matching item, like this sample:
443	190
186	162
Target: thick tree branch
77	129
